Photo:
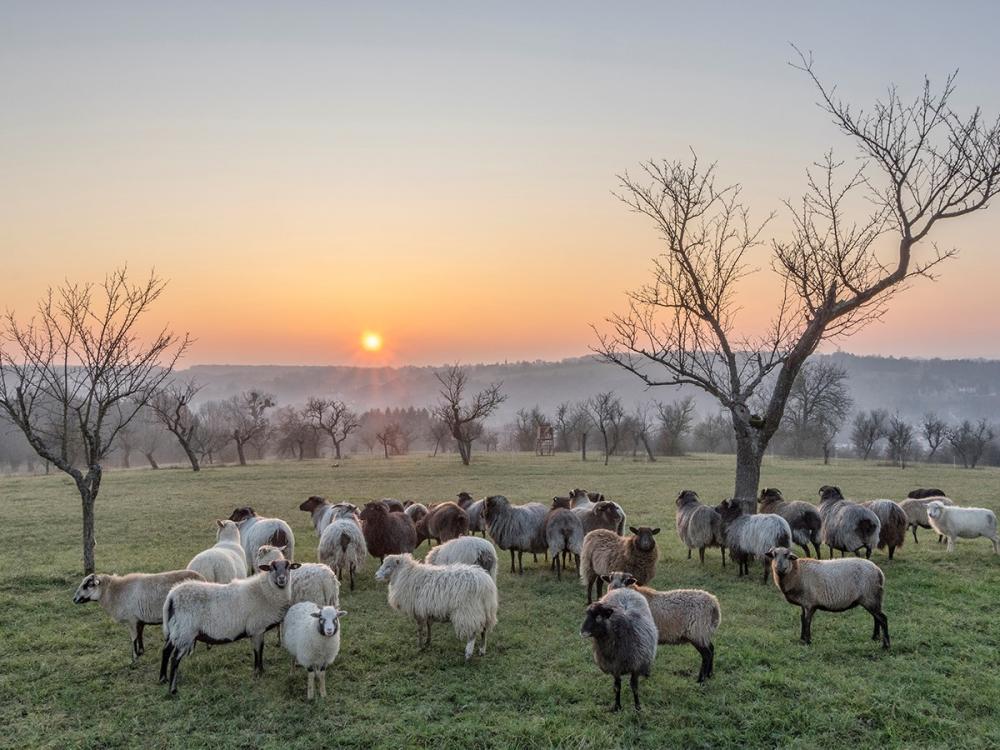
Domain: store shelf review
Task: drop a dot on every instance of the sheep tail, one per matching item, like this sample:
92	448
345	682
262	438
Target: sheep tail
278	539
865	526
483	560
345	541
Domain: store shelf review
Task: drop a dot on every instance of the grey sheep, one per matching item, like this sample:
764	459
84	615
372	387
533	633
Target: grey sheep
256	530
518	528
563	535
831	586
915	509
892	523
469	550
750	537
624	639
847	526
342	546
699	526
803	518
604	552
474	509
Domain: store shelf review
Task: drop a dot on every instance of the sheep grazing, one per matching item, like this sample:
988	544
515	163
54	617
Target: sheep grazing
415	511
831	586
320	510
751	536
604	552
342	546
464	595
518	528
563	535
224	561
256	530
470	550
134	599
387	533
916	512
803	518
312	637
474	509
310	582
443	522
224	612
954	523
394	506
892	523
681	616
699	526
847	526
624	639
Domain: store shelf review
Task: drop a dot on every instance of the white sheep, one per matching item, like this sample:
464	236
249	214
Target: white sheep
256	530
311	582
312	637
470	550
224	561
954	522
464	595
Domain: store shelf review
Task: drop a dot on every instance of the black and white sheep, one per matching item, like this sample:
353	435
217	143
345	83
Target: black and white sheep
257	530
470	550
847	526
225	560
312	637
604	552
699	526
749	537
803	518
518	528
953	522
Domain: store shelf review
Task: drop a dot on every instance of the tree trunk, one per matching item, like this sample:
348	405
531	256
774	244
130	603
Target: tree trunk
152	460
748	458
191	455
826	454
126	455
240	453
583	447
649	449
87	500
465	450
605	436
336	449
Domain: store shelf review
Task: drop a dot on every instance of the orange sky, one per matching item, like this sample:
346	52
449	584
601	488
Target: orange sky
445	184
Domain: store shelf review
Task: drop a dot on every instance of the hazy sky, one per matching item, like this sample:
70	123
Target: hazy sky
440	173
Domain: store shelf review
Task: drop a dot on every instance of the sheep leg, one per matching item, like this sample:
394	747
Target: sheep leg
892	549
133	628
258	655
322	683
429	633
140	626
805	548
482	648
168	649
914	527
576	560
534	556
940	538
558	563
310	688
420	635
175	660
351	571
767	569
868	553
819	553
633	683
520	562
807	615
711	661
723	556
689	553
470	647
600	587
951	544
512	571
701	555
881	624
590	586
618	694
706	662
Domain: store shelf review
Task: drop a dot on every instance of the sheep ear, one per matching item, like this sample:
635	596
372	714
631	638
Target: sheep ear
341	613
792	556
630	580
769	555
606	579
293	566
219	523
282	549
633	529
264	567
655	531
317	614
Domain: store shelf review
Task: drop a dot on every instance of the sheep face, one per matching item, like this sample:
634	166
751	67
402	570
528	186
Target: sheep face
242	514
561	502
934	508
619	580
687	497
89	590
279	571
644	541
268	554
391	564
829	492
464	499
770	494
729	511
596	623
312	503
608	511
781	558
328	621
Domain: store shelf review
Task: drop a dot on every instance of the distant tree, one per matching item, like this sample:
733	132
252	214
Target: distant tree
642	429
526	426
296	433
934	431
172	407
213	433
439	434
368	439
491	439
563	427
969	441
149	436
867	430
79	373
900	436
126	444
335	418
247	413
464	416
817	406
676	420
581	424
714	434
606	412
391	437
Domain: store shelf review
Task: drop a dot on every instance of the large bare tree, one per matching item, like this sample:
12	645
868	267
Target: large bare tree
248	421
333	417
922	163
78	373
172	408
463	416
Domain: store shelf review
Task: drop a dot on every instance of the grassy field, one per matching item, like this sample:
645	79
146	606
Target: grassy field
65	678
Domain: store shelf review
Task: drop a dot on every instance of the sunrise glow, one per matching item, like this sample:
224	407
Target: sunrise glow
371	341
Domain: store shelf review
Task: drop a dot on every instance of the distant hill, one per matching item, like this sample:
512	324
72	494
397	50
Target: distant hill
955	389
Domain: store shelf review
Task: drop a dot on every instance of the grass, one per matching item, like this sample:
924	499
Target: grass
65	678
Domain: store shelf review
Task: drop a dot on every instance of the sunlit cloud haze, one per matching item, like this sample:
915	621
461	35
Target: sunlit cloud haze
440	174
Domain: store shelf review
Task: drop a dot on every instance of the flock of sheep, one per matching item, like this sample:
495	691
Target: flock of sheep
248	582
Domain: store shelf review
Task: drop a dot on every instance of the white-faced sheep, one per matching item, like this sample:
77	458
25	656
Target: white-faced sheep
847	526
892	522
915	509
563	535
699	526
342	546
224	612
681	616
954	522
830	586
257	530
750	537
312	637
224	561
135	599
803	518
464	595
624	639
518	528
604	552
310	582
470	550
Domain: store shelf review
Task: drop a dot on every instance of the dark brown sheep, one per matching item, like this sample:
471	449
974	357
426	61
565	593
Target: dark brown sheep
443	522
387	533
394	506
892	524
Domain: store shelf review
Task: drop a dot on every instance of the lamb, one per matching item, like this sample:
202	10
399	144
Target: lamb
847	526
681	616
256	530
699	526
892	522
224	561
963	523
474	509
443	522
803	518
916	512
751	536
605	552
518	528
224	612
470	550
342	545
387	533
624	638
831	586
134	599
464	595
320	510
563	535
312	637
310	582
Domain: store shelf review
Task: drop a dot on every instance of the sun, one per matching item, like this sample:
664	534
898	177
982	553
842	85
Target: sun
371	341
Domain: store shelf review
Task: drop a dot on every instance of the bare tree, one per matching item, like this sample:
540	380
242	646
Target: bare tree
606	412
464	418
247	419
213	433
440	433
676	419
867	429
389	438
900	437
923	164
149	436
296	433
818	404
581	425
563	428
642	428
333	417
172	407
969	441
126	444
934	431
79	371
